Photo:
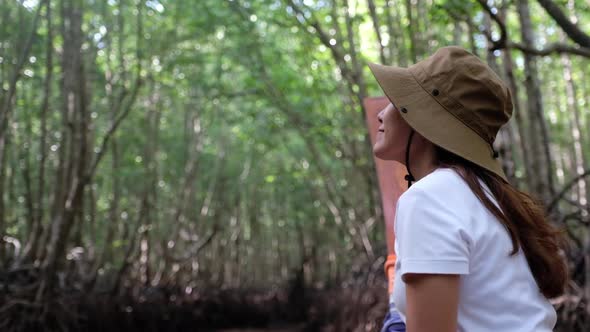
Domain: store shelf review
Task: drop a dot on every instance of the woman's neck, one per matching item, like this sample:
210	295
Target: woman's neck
425	164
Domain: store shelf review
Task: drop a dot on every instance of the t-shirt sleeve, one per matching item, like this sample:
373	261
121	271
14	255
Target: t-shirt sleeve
430	236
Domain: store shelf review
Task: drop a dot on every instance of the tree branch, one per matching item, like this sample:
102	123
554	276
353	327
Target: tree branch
565	189
504	43
336	51
12	84
572	30
193	251
500	43
137	85
557	48
375	19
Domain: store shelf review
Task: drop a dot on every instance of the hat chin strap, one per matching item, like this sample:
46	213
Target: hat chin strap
409	177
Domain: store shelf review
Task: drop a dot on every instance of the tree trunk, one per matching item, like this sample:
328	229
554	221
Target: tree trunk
573	114
32	244
75	107
541	163
6	106
104	256
24	159
471	35
569	27
506	136
63	175
423	33
393	22
457	32
152	129
372	192
411	32
376	27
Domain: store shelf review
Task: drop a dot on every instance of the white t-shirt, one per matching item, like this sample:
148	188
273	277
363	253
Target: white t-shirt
441	227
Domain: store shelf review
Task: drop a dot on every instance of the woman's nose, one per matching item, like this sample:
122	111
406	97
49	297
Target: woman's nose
380	117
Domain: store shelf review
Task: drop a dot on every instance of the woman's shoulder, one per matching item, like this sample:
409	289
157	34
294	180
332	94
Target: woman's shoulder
441	180
443	185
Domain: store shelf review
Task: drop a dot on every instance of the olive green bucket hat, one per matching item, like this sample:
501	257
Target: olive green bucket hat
454	100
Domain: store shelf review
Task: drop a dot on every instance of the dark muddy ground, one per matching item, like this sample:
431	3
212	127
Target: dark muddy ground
308	310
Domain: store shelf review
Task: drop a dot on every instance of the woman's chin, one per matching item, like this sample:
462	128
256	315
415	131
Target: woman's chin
384	153
380	153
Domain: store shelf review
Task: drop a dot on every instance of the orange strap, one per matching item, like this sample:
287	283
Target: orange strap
390	271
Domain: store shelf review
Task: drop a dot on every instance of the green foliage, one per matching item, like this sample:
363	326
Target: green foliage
247	95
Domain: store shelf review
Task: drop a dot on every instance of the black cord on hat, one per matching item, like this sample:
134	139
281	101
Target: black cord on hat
495	153
409	177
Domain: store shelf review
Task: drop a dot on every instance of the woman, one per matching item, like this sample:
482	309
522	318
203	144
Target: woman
473	253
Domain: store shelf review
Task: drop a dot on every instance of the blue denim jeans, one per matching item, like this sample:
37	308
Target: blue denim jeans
393	322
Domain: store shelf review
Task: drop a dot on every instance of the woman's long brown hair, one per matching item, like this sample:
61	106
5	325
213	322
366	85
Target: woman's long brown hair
525	219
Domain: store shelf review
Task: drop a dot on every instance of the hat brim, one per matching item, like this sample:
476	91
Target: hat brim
431	120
